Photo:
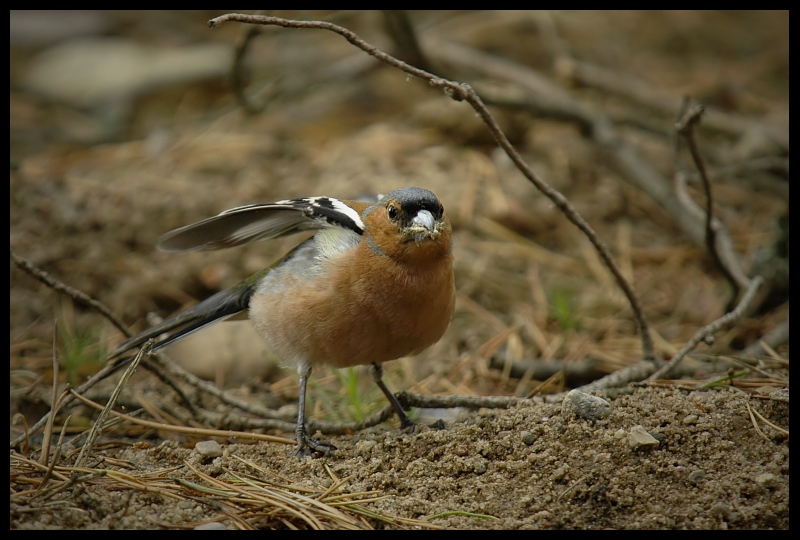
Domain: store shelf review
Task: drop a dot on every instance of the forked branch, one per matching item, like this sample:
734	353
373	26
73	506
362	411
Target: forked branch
464	92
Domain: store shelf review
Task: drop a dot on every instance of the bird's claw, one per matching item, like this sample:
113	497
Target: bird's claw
408	426
309	446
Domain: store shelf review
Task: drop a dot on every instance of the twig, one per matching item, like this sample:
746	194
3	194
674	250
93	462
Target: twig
173	370
408	399
239	76
464	92
48	432
755	424
54	401
528	90
709	330
621	377
154	365
723	245
614	82
777	336
74	480
67	398
544	96
56	455
106	371
187	430
101	419
401	30
557	377
19	417
75	294
770	424
685	127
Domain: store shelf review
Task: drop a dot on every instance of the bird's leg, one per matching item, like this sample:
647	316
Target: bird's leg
307	445
377	375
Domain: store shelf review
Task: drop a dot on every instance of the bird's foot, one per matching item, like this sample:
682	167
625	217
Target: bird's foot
437	424
309	446
408	426
411	427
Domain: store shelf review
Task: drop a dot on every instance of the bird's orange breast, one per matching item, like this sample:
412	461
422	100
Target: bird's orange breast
374	312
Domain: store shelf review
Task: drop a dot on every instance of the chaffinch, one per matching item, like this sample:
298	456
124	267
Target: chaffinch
374	283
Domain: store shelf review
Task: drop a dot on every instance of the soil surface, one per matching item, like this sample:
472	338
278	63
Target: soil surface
522	467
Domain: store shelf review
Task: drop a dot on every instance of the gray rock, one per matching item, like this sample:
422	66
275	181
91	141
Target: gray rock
208	449
585	406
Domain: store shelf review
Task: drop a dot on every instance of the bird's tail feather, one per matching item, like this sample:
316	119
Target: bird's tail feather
214	309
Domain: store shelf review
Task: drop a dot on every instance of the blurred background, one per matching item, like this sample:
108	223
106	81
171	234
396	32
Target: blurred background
125	125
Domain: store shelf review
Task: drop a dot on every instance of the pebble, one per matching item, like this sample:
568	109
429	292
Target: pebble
721	510
585	406
640	438
767	480
528	437
697	476
690	420
208	449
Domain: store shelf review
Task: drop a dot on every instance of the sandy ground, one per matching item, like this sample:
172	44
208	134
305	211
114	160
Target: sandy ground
522	467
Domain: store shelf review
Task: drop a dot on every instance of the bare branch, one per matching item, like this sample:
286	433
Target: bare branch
638	90
238	74
464	92
107	370
99	423
400	29
528	90
707	332
685	127
774	338
75	294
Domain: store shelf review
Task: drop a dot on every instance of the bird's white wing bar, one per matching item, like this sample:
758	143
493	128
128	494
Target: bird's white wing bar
245	224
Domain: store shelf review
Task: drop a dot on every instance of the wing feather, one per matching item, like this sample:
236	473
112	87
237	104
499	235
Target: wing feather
245	224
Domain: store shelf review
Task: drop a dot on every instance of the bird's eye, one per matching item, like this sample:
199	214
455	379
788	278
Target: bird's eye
392	210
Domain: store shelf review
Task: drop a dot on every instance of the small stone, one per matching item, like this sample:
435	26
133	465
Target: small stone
528	437
365	446
767	480
690	420
585	406
697	476
782	394
640	438
208	449
720	510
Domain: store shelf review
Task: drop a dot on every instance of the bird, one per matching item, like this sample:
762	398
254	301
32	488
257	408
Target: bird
374	283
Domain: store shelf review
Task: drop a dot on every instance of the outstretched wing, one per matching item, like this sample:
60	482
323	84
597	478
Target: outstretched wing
262	221
233	228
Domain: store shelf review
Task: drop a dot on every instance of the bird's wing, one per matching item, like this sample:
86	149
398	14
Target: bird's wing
262	221
236	227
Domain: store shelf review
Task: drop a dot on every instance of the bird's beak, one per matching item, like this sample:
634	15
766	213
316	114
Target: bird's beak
422	226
